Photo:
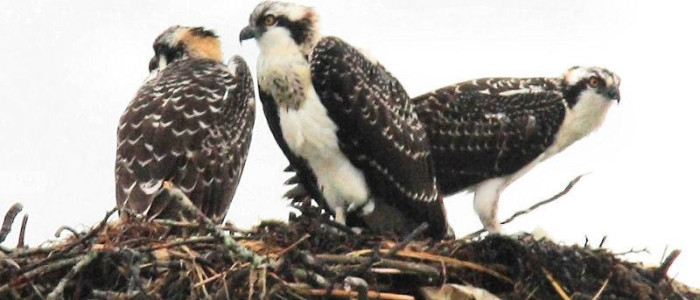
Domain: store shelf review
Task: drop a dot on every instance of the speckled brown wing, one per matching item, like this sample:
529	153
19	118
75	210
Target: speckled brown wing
505	86
191	125
476	136
378	130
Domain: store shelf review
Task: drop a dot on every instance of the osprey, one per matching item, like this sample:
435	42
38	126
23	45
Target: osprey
188	128
345	124
486	133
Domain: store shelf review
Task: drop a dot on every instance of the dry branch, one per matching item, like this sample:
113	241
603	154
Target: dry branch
196	259
9	219
565	191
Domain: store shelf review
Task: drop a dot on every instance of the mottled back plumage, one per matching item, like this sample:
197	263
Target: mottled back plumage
475	136
189	125
381	133
486	133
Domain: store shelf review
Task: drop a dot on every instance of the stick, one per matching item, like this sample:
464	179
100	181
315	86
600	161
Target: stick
337	225
22	230
354	295
57	292
531	208
110	295
293	245
61	253
442	259
410	237
600	291
364	267
179	242
556	285
662	270
64	227
308	275
90	234
388	263
9	219
632	251
29	276
235	249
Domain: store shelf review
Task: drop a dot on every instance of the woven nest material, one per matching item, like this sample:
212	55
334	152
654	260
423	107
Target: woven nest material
308	259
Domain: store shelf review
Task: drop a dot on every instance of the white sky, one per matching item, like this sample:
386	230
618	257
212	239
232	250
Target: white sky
68	69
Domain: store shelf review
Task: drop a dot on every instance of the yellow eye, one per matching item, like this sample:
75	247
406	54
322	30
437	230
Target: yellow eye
593	81
270	20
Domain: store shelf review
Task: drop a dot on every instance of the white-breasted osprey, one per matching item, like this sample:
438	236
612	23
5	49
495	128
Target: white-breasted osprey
189	127
486	133
345	124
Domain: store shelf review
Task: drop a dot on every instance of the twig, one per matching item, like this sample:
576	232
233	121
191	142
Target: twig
663	255
64	227
22	230
9	219
99	294
21	253
135	285
179	242
556	285
600	291
211	278
354	295
385	262
293	245
235	249
364	267
29	276
174	223
310	276
90	234
57	292
62	252
662	270
309	261
531	208
357	284
443	259
632	251
337	225
410	237
532	294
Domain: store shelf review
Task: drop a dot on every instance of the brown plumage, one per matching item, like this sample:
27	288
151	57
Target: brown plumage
189	125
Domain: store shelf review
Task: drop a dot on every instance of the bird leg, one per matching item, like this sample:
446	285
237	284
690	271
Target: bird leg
340	215
486	203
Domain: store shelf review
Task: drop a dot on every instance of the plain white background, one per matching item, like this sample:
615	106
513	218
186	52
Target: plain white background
69	68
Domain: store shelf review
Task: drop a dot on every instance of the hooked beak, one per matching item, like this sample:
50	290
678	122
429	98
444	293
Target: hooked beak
246	34
153	64
614	94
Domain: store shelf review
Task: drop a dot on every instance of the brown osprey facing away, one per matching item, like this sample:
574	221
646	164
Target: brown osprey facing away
486	133
188	128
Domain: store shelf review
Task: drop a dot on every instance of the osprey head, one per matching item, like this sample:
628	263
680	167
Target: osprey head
590	81
279	26
179	42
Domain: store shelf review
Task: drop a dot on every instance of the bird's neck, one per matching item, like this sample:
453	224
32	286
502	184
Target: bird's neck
585	116
278	42
286	75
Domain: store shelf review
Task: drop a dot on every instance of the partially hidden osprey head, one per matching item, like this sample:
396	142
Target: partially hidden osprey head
279	26
178	42
580	81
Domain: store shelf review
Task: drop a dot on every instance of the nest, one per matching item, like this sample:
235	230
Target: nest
310	257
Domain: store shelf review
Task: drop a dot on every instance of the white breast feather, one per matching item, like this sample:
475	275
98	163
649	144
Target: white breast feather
311	134
585	117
